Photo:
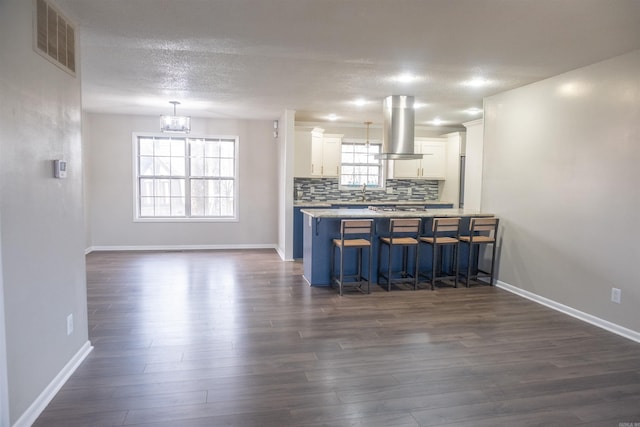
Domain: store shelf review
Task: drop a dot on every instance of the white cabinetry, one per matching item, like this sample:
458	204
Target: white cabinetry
302	154
325	154
433	164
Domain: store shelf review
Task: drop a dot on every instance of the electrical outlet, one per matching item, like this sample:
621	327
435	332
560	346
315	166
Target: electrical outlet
615	295
69	324
389	190
409	191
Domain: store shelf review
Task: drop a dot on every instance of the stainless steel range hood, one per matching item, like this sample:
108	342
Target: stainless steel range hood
398	129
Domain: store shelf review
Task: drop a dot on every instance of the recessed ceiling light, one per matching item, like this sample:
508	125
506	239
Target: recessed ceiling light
476	82
360	102
473	110
417	105
436	122
332	117
406	78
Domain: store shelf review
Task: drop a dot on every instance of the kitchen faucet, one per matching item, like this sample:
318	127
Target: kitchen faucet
364	192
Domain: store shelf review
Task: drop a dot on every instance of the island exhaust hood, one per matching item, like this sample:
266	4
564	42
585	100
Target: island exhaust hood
398	129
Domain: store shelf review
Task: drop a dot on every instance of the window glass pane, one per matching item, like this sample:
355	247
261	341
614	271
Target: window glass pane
212	206
226	188
197	188
227	148
226	206
146	188
360	148
197	206
361	158
161	166
212	149
197	147
163	147
177	148
226	167
162	188
197	167
177	166
177	187
146	147
162	206
146	206
211	167
177	206
146	165
347	157
212	188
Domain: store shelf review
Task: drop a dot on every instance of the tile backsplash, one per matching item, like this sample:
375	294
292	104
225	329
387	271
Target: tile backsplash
324	189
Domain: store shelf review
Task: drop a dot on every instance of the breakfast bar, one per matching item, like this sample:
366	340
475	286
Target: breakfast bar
320	226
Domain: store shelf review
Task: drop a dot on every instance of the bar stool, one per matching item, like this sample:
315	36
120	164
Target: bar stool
445	233
482	231
348	229
403	232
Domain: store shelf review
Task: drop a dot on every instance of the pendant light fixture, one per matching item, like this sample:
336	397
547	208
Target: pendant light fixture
175	123
367	124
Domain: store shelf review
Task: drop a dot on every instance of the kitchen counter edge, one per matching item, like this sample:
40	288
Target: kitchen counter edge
366	213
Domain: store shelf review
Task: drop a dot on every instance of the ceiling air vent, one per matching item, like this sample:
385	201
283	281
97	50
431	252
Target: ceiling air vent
55	38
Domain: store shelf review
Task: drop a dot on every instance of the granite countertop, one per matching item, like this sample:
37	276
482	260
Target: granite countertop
366	213
364	204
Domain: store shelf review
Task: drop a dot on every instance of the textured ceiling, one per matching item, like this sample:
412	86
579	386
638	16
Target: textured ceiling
255	58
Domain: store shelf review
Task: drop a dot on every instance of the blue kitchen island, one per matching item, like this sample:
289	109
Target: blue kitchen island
320	226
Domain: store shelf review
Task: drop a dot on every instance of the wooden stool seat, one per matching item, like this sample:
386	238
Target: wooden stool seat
352	243
399	241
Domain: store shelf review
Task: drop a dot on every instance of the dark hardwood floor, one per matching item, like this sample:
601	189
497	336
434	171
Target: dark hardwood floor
237	338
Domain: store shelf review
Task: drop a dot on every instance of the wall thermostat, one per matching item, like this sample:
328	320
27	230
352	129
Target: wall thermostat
60	168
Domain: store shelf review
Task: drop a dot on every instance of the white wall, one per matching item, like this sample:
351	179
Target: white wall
41	218
4	385
561	171
473	164
286	142
449	190
110	187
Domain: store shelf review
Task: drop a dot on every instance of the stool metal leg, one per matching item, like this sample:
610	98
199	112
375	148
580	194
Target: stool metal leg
389	270
470	258
341	269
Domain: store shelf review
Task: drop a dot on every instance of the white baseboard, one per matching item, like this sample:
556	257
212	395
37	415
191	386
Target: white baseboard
179	247
33	412
585	317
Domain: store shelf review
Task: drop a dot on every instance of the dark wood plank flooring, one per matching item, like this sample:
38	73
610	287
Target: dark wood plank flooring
237	338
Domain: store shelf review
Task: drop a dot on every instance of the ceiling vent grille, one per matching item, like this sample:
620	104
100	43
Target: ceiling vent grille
55	37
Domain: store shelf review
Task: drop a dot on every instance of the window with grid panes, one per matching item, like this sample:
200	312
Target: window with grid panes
186	178
358	165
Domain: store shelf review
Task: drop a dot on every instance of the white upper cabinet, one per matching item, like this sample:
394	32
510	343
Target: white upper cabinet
325	155
432	165
302	154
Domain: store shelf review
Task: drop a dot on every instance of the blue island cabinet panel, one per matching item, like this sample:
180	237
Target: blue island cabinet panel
319	232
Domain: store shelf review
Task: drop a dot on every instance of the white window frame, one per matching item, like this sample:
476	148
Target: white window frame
381	175
136	180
